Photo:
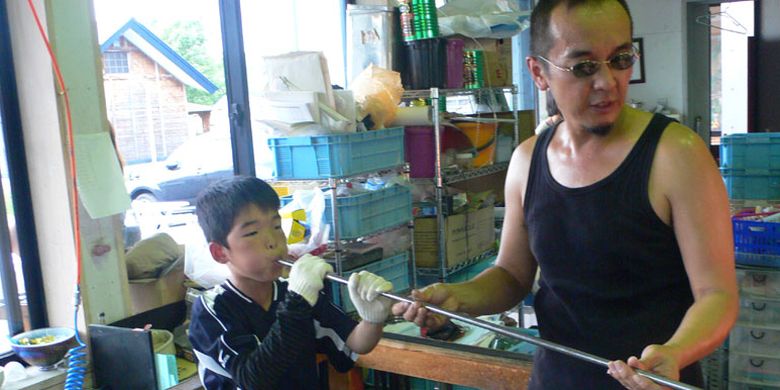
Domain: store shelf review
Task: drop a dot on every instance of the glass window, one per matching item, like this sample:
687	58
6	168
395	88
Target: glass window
277	27
11	267
165	107
115	62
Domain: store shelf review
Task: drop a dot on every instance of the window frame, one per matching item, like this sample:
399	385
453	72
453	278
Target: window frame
20	192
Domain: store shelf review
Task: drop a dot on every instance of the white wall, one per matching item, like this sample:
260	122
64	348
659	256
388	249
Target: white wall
661	25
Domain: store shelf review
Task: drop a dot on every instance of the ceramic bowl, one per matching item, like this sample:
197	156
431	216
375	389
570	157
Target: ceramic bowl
47	354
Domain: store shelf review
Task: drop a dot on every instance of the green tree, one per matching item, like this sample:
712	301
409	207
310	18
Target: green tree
187	39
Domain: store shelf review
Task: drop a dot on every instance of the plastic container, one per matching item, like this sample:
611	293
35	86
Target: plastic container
757	243
394	269
162	342
483	136
326	156
750	151
759	282
754	370
752	183
425	63
368	212
757	311
454	63
734	385
420	151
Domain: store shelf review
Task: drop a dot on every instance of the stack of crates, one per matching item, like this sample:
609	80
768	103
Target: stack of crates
340	156
750	165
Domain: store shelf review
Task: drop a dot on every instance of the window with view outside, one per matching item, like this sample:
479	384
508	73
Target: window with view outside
170	115
163	80
9	253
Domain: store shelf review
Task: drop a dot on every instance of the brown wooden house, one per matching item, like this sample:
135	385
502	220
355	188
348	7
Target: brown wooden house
146	101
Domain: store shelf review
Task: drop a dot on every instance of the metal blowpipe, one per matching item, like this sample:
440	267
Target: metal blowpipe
509	332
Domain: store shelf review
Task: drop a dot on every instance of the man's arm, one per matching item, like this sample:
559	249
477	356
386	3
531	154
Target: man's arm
687	190
702	225
500	287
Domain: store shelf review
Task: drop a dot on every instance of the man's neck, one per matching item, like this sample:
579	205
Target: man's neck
577	137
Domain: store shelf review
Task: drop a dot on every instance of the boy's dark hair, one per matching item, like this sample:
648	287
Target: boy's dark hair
541	42
219	203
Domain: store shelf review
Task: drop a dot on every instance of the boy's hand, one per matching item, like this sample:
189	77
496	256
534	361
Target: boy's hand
364	290
306	277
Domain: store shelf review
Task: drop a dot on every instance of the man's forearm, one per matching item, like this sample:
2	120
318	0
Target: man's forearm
704	327
493	291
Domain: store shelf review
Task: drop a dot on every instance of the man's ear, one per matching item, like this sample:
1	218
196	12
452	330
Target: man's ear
537	72
218	252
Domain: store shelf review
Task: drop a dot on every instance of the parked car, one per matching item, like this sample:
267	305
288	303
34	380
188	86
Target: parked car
195	164
199	161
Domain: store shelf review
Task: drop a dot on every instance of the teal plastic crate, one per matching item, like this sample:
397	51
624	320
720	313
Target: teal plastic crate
750	151
368	212
394	269
752	183
339	155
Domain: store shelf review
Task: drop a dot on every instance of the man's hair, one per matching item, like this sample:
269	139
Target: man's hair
219	204
541	42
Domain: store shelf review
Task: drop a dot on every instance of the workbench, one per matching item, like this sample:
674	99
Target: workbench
446	362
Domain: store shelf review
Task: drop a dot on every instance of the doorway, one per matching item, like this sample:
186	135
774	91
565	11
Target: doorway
720	37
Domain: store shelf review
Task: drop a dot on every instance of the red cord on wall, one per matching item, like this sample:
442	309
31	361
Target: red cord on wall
71	149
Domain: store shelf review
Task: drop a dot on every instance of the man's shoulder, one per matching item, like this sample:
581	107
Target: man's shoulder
525	150
679	139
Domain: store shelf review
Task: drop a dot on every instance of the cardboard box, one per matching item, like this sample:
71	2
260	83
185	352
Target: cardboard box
426	241
148	294
498	59
480	231
467	236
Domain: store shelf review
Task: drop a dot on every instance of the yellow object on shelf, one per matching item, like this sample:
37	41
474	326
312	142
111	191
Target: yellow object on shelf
185	368
483	136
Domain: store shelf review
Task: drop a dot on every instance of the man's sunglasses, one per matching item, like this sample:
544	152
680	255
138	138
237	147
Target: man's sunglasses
620	61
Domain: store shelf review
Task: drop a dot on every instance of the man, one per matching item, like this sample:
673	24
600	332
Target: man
625	214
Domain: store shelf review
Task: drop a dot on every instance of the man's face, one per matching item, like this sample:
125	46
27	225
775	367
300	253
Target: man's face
588	32
255	242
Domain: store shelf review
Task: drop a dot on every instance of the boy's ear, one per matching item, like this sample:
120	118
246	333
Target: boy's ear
218	252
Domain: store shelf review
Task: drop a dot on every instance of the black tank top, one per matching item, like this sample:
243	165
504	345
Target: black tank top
612	276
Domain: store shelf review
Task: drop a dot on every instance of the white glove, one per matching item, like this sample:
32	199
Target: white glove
364	288
306	277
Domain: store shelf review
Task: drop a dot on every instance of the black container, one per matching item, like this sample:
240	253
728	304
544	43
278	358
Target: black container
426	63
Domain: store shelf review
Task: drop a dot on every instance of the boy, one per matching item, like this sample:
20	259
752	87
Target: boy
256	332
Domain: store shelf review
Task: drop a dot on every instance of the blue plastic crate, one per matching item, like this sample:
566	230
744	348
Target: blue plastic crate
757	243
750	151
369	212
394	269
327	156
752	183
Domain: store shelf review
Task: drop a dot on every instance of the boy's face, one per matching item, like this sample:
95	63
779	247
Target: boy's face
255	242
